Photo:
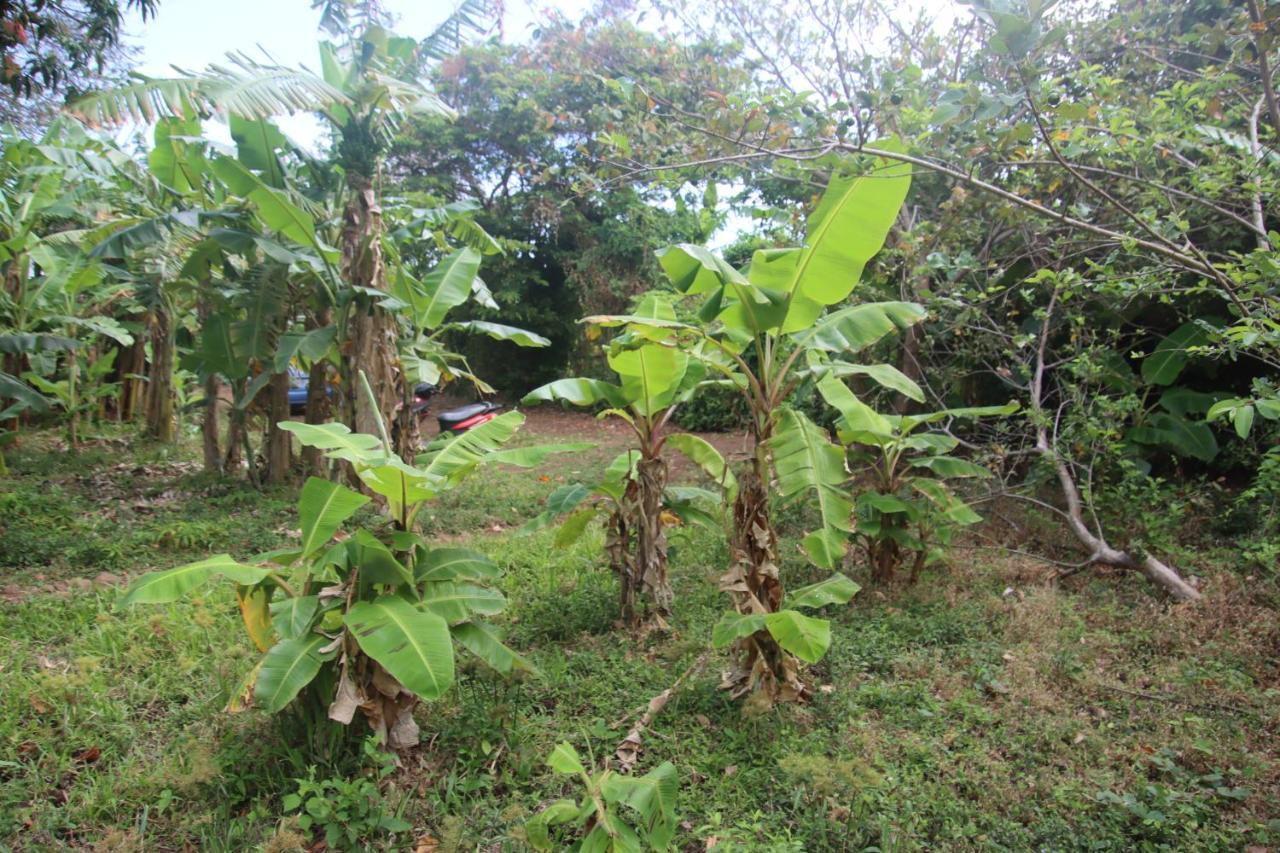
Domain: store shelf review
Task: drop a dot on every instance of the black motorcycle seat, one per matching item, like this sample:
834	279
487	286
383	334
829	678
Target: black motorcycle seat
462	413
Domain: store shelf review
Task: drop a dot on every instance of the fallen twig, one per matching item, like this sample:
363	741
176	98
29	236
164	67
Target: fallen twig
628	751
1174	700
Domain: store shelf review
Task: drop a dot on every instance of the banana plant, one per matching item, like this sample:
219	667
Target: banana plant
370	81
647	823
633	494
765	331
52	295
909	507
366	621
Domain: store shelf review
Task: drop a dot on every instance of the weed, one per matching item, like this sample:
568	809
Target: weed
349	813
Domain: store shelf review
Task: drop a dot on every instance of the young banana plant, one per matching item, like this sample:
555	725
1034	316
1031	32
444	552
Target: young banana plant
766	330
909	509
366	621
633	495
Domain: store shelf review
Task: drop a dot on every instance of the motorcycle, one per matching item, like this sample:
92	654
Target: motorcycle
454	421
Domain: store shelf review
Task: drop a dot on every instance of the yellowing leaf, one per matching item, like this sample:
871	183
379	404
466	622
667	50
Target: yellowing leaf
254	609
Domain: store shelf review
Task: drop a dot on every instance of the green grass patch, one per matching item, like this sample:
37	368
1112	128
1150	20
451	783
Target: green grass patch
945	716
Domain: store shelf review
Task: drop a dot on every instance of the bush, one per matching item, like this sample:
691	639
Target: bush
714	408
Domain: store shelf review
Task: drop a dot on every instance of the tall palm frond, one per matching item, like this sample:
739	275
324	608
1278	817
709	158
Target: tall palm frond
472	19
404	97
246	88
344	16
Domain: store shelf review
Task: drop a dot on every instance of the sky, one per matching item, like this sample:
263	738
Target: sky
191	34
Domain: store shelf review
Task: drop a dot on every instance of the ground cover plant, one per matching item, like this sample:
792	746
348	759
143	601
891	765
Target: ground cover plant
360	492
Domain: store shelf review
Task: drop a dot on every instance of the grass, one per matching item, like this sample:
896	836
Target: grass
946	716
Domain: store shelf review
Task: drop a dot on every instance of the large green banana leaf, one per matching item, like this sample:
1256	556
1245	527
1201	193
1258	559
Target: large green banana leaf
412	645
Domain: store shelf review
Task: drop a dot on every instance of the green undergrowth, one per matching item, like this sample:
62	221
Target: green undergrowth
950	715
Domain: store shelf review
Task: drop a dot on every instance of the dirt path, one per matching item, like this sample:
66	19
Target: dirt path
547	422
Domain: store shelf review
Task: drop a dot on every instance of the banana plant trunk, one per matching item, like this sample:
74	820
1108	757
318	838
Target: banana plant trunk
754	586
235	429
279	443
209	439
160	409
372	334
617	544
651	540
15	363
637	545
73	397
129	367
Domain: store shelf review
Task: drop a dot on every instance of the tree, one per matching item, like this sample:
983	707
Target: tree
397	610
534	126
53	50
53	291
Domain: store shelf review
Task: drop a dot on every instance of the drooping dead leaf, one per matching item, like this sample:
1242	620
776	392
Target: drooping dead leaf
345	702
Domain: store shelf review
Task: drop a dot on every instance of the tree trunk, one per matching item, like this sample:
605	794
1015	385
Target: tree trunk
755	587
73	398
1099	549
130	366
909	364
212	387
209	425
278	442
373	333
15	363
235	431
317	398
160	414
